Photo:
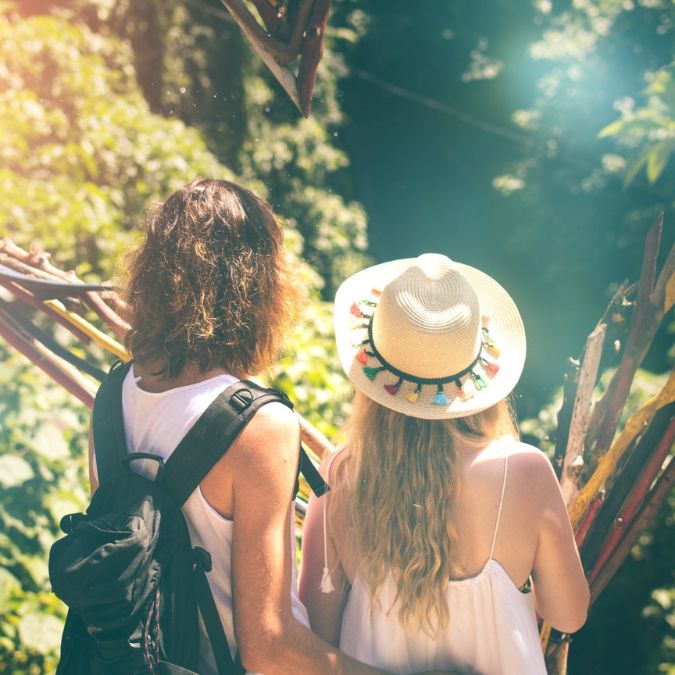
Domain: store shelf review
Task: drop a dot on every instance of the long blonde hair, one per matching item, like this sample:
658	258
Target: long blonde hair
398	497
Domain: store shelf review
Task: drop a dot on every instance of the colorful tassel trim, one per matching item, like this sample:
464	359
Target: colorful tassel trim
356	311
393	388
466	389
478	381
440	398
326	582
484	368
371	373
490	367
412	396
493	350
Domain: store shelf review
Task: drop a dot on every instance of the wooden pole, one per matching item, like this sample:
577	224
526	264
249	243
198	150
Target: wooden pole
573	463
608	463
647	315
562	432
58	369
589	519
654	501
27	298
636	498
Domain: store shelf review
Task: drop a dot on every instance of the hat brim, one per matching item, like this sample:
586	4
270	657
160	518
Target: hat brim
506	327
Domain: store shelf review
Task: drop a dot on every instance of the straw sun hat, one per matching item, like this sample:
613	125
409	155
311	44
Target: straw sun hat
429	337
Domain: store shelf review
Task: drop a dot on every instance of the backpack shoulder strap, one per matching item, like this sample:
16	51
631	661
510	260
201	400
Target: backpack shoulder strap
108	422
316	483
212	434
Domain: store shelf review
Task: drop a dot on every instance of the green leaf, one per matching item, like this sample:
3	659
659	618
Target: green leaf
14	470
612	129
40	632
9	585
657	159
634	168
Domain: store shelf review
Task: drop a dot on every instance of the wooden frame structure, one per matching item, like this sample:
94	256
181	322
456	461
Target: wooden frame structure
288	30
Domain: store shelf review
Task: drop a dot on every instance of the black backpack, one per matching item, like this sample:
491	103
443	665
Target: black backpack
133	583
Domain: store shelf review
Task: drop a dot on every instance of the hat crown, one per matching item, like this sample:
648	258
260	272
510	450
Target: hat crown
427	322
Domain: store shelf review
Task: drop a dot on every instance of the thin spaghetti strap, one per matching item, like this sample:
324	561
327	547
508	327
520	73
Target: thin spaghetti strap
501	503
326	581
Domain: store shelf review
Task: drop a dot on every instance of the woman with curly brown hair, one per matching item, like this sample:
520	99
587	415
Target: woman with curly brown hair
209	298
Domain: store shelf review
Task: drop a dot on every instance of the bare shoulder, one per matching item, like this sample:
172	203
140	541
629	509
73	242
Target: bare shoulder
274	418
272	435
331	463
529	466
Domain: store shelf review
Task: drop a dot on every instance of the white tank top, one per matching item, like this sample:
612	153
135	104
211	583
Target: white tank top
492	630
156	423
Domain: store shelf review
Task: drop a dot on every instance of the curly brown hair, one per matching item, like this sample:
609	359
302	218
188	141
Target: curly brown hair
209	283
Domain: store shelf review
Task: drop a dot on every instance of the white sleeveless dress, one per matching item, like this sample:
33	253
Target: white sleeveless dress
492	630
156	423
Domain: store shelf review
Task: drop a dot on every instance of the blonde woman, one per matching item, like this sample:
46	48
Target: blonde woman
443	535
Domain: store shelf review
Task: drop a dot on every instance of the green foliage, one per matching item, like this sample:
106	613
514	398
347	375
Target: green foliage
590	61
83	155
192	63
311	375
42	477
649	128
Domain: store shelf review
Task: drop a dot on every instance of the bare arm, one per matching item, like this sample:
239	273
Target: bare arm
324	609
561	589
270	639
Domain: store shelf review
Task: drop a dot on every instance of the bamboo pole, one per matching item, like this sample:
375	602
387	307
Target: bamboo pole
312	437
556	659
266	46
312	51
573	463
631	473
38	263
107	314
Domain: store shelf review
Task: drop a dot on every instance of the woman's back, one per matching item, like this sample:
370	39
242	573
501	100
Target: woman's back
492	626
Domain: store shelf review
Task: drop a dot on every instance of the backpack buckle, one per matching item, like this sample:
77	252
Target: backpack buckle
201	558
241	400
70	521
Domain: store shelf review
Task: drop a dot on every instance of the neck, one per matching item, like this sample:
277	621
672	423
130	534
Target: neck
191	374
